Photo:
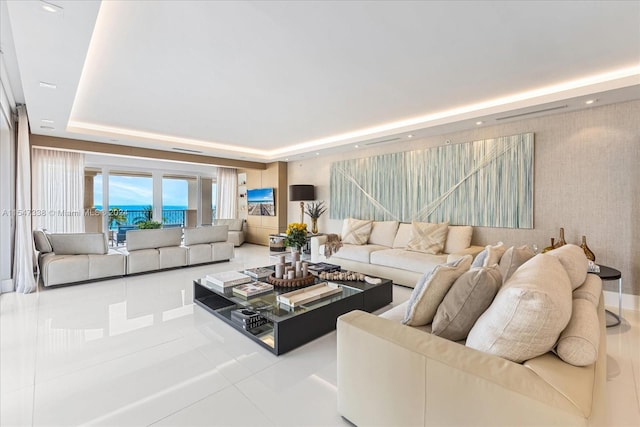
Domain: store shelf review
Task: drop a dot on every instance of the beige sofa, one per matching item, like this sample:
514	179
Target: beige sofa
79	257
390	374
385	254
76	257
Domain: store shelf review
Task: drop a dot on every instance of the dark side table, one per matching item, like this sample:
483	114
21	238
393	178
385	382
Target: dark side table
608	273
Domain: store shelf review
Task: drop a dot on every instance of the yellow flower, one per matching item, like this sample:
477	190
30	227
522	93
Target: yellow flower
296	234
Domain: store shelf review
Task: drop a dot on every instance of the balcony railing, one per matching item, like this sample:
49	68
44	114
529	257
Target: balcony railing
169	216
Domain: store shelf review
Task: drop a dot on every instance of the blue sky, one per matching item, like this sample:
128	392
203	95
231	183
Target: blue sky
133	190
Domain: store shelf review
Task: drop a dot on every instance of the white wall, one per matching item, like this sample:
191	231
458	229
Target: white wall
587	170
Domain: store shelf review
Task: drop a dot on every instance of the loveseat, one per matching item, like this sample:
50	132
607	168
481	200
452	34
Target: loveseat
381	249
535	357
78	257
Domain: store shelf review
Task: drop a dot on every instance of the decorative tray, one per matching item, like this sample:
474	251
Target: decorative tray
291	283
312	293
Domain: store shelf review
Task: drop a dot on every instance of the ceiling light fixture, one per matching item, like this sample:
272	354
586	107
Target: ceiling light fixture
46	121
49	7
479	122
410	136
47	127
48	85
357	146
590	101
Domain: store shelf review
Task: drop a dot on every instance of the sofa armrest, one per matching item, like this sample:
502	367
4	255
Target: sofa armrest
471	250
316	242
391	374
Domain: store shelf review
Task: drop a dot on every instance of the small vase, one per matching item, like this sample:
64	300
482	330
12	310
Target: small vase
314	225
550	247
590	255
561	241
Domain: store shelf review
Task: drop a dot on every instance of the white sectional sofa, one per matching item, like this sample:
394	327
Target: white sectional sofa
392	374
79	257
236	234
76	257
385	252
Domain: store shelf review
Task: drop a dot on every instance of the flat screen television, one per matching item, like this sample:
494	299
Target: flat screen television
260	201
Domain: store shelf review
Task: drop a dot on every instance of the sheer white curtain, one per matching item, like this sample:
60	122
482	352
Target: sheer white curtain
58	191
23	250
227	198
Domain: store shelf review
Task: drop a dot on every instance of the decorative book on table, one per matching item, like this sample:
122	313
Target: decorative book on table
308	294
259	273
323	266
249	319
250	289
226	279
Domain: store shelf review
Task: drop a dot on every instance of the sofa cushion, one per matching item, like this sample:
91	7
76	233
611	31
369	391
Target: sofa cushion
41	240
578	343
207	234
152	239
383	233
233	224
407	260
431	290
402	236
428	237
527	316
360	253
512	259
489	256
458	238
590	290
465	302
79	243
356	231
574	261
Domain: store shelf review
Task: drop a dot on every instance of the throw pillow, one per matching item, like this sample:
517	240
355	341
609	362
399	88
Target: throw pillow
528	314
489	256
465	302
356	231
574	261
383	233
431	290
512	259
41	240
458	238
578	343
427	237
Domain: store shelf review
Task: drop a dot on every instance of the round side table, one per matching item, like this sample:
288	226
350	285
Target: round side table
608	273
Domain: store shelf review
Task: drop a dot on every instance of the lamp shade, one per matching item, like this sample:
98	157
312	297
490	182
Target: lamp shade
301	192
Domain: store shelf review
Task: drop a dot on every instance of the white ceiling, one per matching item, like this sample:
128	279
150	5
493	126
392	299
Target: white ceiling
277	80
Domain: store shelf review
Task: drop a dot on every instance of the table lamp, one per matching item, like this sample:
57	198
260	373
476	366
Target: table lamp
301	193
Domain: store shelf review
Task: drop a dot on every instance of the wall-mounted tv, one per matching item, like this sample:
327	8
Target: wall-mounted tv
260	201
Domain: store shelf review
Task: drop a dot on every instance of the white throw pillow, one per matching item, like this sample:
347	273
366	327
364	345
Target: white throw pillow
578	343
489	256
431	290
527	316
512	259
574	261
458	238
428	237
356	231
383	233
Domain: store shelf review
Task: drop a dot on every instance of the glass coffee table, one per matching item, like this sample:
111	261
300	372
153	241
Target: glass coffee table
280	328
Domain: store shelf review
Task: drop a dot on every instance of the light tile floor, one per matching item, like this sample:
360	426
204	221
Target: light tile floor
136	351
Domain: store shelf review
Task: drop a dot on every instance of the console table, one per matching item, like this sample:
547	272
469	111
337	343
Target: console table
606	274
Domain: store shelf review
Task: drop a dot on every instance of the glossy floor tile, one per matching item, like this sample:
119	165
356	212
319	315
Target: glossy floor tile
135	351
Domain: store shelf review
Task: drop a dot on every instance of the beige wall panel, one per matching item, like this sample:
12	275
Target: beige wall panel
259	227
587	170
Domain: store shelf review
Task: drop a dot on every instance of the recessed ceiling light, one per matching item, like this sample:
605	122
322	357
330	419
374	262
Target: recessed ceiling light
590	101
447	141
48	85
317	154
47	127
46	121
286	160
357	146
49	7
479	122
410	136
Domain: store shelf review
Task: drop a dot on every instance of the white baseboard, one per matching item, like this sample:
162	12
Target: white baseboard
6	285
629	302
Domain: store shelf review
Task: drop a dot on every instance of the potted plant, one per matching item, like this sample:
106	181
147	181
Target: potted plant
296	235
315	210
145	225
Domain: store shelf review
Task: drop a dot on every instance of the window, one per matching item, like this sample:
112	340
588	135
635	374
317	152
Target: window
175	199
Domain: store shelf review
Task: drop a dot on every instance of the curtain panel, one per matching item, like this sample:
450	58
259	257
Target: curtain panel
227	197
58	191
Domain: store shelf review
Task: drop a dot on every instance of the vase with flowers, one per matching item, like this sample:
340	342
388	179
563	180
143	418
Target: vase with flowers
296	235
315	211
